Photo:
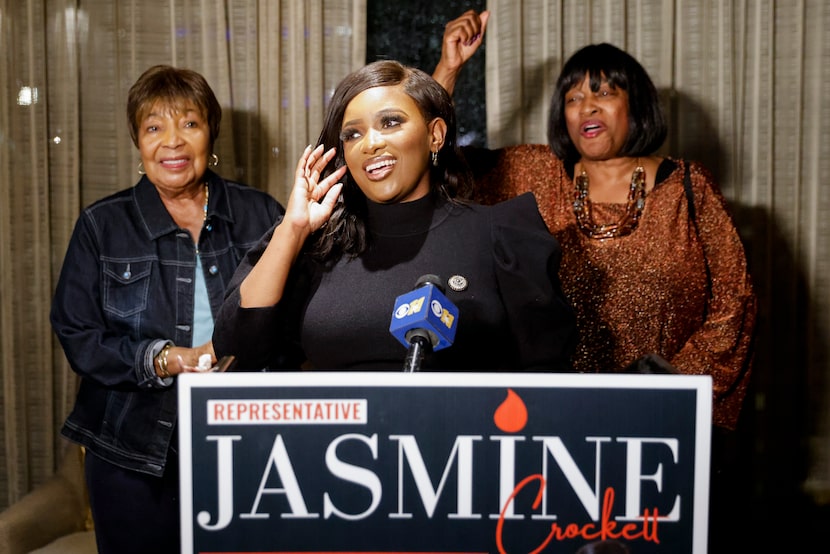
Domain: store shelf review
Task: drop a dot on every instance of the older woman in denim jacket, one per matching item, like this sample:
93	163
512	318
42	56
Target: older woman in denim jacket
145	272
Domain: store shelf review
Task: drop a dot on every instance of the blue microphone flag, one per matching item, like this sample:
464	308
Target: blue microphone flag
425	308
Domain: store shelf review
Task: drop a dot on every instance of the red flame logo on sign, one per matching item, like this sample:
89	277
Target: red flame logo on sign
511	415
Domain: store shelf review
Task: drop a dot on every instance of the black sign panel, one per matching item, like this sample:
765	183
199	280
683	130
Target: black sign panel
352	462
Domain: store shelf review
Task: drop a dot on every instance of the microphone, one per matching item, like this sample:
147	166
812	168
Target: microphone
424	320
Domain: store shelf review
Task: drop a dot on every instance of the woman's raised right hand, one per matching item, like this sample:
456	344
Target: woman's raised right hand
312	200
462	37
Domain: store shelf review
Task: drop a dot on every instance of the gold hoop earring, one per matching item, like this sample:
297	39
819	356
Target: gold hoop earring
434	157
141	168
214	160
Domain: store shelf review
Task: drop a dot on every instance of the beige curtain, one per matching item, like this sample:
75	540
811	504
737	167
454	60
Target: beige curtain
745	83
65	71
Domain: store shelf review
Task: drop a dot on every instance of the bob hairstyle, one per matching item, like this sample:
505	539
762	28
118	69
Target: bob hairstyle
172	87
345	231
606	63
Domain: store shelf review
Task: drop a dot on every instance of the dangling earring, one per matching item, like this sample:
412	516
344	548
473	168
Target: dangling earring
214	160
141	168
434	157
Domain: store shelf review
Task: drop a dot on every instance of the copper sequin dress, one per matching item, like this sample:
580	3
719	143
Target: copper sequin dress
666	288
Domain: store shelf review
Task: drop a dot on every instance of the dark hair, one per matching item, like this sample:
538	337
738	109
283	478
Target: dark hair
345	231
172	86
646	121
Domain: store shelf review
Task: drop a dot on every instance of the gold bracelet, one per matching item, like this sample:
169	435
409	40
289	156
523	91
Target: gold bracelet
162	357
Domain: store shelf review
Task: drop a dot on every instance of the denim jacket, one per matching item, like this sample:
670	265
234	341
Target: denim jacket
126	289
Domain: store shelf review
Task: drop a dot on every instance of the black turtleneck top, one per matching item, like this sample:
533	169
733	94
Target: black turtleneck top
512	312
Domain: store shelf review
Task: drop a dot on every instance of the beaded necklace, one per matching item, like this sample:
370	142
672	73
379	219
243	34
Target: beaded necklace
207	194
204	215
633	208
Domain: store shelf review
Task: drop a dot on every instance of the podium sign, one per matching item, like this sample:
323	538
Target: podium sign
347	462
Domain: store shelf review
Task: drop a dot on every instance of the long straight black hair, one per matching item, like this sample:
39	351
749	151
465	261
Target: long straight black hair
345	232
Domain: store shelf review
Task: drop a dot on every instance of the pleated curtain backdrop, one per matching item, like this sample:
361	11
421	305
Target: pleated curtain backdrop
745	84
66	68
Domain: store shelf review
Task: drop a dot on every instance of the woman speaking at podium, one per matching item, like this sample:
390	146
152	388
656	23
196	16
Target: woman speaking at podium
372	209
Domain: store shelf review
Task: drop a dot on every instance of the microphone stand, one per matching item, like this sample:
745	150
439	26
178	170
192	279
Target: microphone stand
419	346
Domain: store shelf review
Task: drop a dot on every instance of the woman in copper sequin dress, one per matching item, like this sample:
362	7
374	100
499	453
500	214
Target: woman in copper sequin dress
647	272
